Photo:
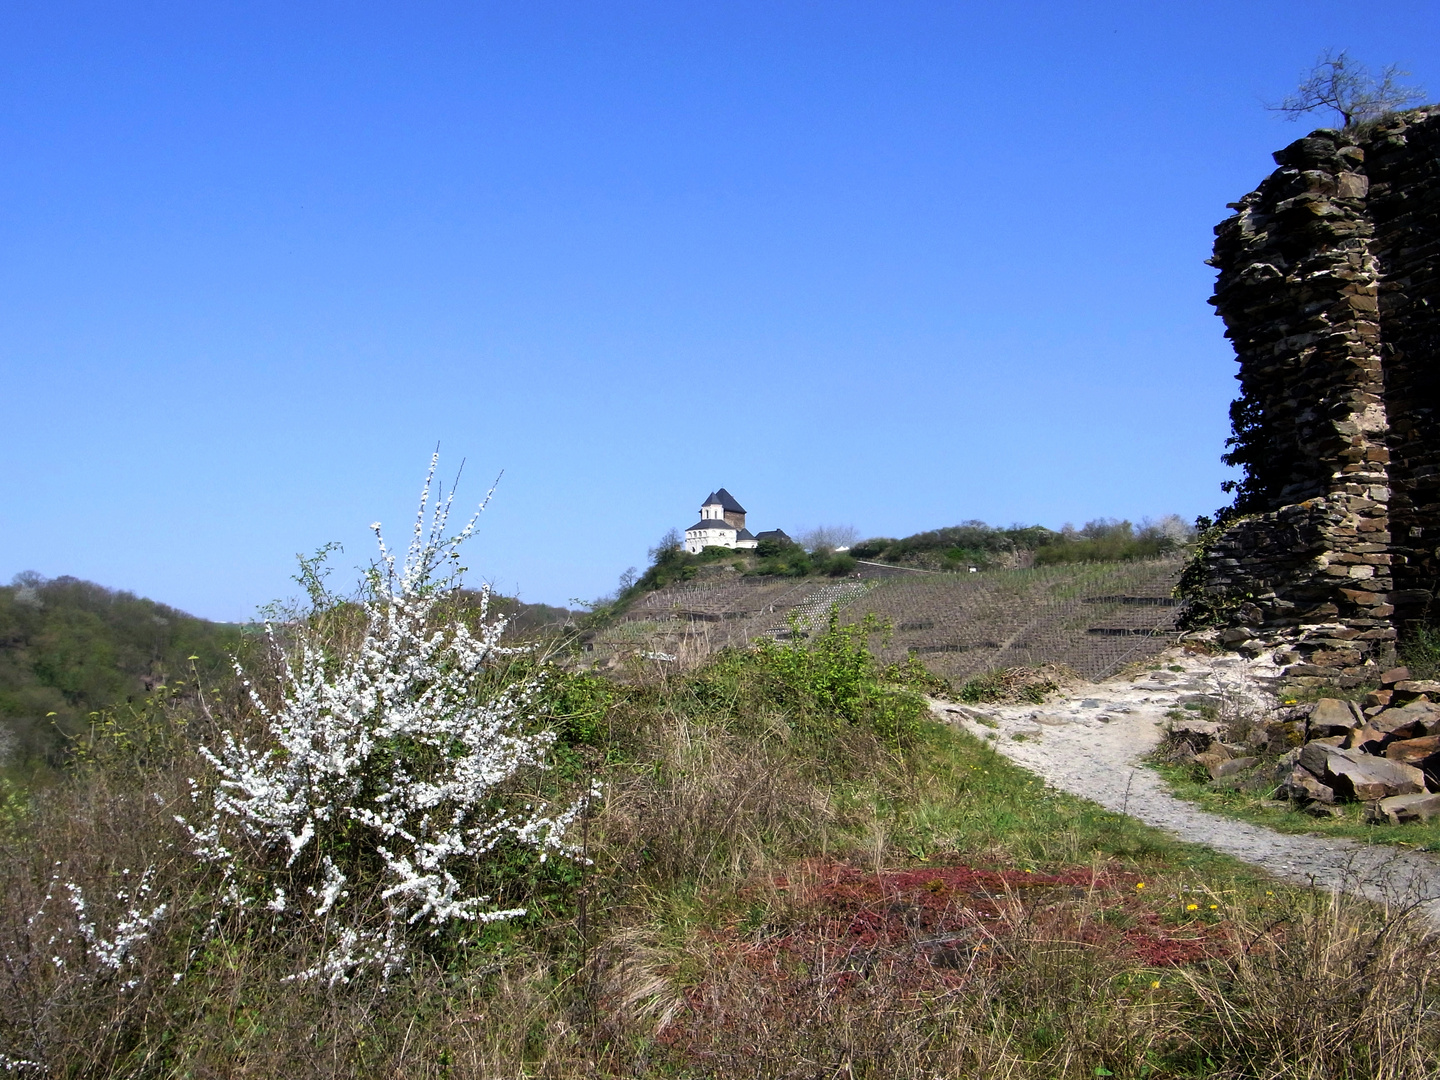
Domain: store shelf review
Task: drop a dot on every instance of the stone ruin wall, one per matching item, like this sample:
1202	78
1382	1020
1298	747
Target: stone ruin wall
1328	288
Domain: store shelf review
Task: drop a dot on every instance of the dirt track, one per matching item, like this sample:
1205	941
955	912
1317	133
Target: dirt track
1090	742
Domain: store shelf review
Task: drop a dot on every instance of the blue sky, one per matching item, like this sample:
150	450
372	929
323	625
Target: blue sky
893	265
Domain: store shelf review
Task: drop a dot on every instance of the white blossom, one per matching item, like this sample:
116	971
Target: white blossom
401	743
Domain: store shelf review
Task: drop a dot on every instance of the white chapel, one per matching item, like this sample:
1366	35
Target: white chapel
722	524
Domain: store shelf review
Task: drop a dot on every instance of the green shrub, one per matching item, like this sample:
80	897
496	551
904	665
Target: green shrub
872	548
769	548
974	541
792	561
827	684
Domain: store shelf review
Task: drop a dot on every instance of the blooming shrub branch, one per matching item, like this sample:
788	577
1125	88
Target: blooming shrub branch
100	956
132	929
380	780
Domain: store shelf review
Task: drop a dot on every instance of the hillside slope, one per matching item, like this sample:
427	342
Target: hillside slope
1093	617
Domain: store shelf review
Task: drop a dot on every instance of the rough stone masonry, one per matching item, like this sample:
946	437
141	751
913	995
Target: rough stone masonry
1329	286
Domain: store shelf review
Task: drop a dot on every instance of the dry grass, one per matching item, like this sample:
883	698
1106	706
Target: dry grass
1326	986
849	975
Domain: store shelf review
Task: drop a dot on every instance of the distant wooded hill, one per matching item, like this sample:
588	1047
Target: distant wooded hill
70	647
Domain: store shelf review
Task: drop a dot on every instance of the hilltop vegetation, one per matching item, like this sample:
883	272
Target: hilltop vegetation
956	548
72	648
974	543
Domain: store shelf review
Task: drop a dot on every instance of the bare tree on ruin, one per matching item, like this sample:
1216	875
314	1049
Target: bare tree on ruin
1351	89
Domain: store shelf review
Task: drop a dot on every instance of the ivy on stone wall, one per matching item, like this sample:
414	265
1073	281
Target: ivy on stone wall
1203	604
1246	449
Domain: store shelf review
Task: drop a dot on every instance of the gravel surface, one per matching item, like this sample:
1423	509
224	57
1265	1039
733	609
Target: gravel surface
1091	741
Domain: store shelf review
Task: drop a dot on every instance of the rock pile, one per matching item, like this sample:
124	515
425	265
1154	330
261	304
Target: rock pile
1384	752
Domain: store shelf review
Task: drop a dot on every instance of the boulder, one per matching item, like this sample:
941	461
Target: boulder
1408	721
1379	697
1359	775
1372	777
1303	786
1230	767
1414	687
1315	755
1332	716
1398	809
1336	742
1413	751
1211	759
1367	739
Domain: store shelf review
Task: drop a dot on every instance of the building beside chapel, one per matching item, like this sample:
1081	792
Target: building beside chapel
722	524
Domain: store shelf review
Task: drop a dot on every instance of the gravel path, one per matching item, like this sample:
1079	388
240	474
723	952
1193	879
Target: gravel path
1090	744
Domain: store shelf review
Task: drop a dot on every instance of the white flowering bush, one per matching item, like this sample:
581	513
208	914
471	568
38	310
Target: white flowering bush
382	776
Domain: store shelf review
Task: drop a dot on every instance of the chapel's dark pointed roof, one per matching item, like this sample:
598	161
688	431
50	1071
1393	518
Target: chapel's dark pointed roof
726	500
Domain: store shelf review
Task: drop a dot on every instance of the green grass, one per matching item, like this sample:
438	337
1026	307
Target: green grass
1184	783
968	797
